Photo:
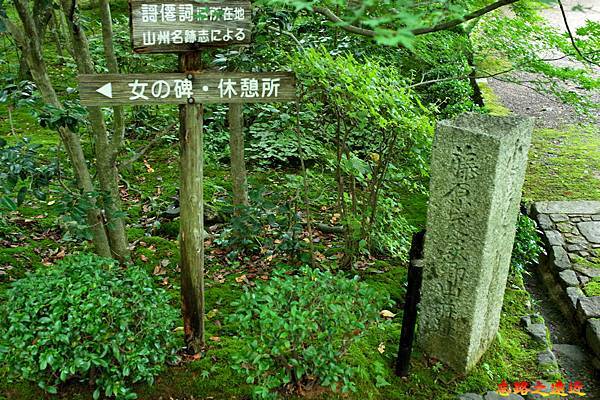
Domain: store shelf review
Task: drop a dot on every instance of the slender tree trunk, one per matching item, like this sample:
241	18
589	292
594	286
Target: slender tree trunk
113	68
56	34
191	239
238	164
30	41
106	165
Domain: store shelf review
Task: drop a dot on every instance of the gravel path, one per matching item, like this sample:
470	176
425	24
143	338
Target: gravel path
548	111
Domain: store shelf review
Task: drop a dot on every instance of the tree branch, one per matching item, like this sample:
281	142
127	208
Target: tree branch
331	16
564	15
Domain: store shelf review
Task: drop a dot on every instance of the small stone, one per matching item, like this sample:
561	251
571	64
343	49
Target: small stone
568	278
592	335
584	254
565	227
589	307
591	272
544	222
554	238
575	247
590	230
560	258
537	332
583	207
547	359
574	294
573	256
575	219
596	217
526	320
470	396
559	217
496	396
576	240
574	353
586	218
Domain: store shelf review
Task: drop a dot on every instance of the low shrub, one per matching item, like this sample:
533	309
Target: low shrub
527	247
87	319
296	330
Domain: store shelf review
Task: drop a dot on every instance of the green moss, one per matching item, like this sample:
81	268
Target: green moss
592	288
564	164
492	102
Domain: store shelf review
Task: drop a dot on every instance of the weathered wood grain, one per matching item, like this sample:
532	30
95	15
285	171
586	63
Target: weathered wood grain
205	88
151	30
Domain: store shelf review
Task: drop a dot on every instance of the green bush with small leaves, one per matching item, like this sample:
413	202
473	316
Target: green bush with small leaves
296	329
527	247
87	319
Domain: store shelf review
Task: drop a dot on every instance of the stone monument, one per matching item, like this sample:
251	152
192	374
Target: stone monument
477	171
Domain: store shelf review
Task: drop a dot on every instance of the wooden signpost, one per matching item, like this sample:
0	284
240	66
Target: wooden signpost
180	88
178	26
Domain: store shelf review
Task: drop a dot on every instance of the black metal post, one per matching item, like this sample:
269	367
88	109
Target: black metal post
413	296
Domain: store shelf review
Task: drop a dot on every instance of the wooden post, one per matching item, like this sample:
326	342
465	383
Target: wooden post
191	240
413	296
238	165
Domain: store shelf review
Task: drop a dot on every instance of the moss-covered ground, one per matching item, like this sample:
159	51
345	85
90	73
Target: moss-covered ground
34	238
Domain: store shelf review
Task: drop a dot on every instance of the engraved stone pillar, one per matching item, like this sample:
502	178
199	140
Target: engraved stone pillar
477	171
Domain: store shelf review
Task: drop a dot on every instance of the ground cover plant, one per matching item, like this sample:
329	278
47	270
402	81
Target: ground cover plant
306	279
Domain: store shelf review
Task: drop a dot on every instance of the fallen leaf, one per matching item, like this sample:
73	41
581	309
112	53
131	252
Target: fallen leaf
148	167
215	338
381	348
143	258
158	270
387	314
211	314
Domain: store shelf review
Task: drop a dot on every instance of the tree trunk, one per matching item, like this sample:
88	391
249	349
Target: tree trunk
238	164
106	165
191	239
113	68
30	41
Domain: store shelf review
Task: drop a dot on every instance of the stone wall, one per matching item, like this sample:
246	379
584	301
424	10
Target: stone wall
571	231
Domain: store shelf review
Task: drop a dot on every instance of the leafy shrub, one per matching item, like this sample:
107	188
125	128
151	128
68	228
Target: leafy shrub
295	330
21	172
528	245
88	319
262	225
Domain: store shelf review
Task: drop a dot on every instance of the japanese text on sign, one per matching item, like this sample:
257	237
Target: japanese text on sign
154	13
182	25
184	88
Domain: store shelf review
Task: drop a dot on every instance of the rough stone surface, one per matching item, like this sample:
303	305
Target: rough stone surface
592	335
568	278
568	207
574	294
547	361
537	331
554	238
591	272
576	247
495	396
589	307
573	352
559	217
470	396
545	222
477	172
590	230
560	258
